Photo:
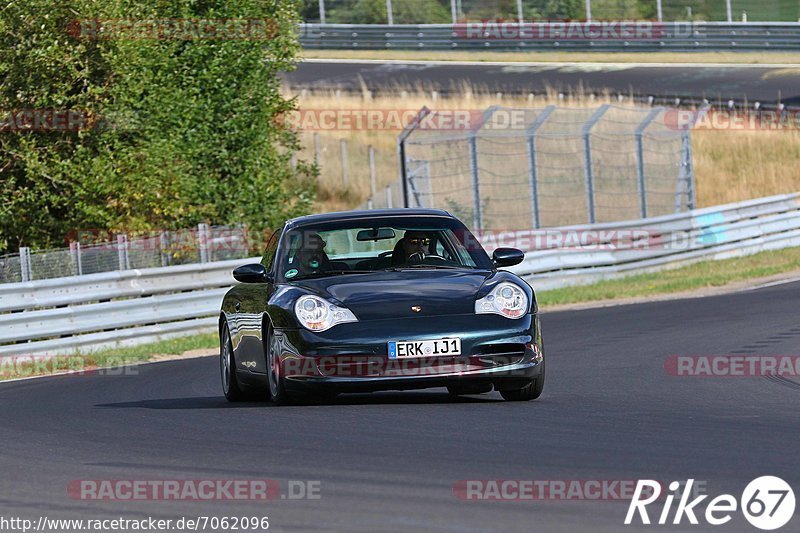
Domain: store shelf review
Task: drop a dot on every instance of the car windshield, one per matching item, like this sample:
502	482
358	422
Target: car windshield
380	244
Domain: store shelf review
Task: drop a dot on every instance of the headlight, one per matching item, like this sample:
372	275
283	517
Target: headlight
506	299
316	314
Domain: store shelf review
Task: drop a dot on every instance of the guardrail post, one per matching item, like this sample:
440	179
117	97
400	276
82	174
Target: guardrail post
122	252
537	123
587	154
640	158
25	263
203	242
75	252
343	144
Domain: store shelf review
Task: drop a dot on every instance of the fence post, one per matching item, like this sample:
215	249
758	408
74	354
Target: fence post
537	123
587	154
369	203
122	252
640	158
343	144
317	150
25	263
75	252
477	214
401	150
372	177
203	242
389	14
588	10
322	11
685	175
453	12
162	247
389	197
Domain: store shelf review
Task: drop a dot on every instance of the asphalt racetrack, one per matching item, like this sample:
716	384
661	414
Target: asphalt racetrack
389	461
768	85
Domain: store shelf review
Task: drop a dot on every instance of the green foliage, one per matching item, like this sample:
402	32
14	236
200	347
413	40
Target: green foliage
403	12
186	130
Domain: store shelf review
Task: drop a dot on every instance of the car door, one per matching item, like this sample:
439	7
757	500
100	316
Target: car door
251	303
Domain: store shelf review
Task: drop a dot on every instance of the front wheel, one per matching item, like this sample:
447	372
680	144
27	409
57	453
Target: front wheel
277	390
227	367
531	391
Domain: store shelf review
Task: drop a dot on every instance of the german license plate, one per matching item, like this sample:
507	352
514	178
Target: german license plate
428	348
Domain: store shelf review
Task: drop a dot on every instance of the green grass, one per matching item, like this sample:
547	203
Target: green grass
707	274
106	358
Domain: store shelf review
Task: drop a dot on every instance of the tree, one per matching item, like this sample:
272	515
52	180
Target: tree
179	130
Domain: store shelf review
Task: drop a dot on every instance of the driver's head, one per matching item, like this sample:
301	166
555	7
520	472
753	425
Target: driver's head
415	242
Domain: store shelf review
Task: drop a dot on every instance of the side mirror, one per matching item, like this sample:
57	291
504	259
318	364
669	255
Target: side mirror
253	273
506	257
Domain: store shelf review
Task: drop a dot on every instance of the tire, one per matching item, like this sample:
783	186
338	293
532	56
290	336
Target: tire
275	384
227	365
531	391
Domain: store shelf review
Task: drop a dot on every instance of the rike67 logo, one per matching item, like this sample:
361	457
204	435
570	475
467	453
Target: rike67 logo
767	503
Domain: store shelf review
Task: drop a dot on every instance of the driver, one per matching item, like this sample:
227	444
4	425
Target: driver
413	247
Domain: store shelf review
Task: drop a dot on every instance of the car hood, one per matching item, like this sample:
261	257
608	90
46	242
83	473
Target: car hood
380	295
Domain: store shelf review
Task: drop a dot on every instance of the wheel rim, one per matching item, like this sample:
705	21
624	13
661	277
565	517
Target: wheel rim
225	363
274	370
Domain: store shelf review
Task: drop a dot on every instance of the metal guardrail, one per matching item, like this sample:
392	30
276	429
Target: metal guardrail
668	36
117	308
652	244
112	308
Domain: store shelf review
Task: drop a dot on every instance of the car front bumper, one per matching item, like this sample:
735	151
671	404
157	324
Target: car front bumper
507	353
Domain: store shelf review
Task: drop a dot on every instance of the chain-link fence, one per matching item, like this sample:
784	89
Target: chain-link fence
90	253
451	11
551	166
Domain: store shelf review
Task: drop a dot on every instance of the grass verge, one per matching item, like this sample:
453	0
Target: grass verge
695	278
742	58
27	366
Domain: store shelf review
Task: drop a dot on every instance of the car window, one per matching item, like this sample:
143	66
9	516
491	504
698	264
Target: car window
269	253
347	246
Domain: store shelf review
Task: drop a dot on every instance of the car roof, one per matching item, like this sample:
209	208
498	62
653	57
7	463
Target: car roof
365	213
